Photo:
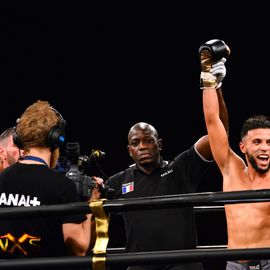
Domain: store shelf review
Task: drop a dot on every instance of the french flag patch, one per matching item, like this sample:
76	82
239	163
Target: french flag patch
128	187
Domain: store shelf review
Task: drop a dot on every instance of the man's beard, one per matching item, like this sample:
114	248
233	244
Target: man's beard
11	159
254	165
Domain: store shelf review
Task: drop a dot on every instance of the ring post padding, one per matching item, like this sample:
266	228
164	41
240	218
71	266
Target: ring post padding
102	232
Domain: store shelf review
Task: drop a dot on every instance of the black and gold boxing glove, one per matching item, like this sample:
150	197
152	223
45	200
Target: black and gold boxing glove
210	53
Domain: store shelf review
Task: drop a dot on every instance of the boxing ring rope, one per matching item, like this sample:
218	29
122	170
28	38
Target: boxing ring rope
100	259
144	203
214	208
133	258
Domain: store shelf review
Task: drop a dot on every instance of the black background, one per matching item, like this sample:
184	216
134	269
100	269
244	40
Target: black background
107	65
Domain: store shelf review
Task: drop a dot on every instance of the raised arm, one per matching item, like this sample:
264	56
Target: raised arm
215	117
212	56
217	134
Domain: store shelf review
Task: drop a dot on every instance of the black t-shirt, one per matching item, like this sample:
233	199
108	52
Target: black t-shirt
28	185
161	229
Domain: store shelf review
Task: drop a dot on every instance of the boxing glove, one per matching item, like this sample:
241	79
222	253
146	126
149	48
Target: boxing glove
210	53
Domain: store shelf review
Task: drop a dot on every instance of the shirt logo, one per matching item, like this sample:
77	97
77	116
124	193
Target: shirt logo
254	267
167	172
128	187
24	244
18	200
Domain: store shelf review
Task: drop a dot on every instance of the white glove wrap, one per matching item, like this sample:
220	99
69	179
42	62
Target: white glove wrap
219	70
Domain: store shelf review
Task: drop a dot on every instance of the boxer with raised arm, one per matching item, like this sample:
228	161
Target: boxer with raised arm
248	224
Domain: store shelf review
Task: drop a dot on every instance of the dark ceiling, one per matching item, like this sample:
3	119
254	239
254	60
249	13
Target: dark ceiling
107	65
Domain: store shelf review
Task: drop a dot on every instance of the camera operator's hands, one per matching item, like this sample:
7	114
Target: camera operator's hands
96	194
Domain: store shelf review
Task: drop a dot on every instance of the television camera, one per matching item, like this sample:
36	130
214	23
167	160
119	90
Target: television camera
73	166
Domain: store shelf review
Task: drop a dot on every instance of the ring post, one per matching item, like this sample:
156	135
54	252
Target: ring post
102	228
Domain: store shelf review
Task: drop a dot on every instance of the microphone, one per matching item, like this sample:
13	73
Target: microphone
96	154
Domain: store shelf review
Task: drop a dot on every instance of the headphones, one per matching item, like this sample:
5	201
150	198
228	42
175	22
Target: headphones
55	138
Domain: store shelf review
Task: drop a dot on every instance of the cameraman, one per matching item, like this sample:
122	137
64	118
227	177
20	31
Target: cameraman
32	182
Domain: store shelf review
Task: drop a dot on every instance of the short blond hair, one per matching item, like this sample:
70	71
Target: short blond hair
35	124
